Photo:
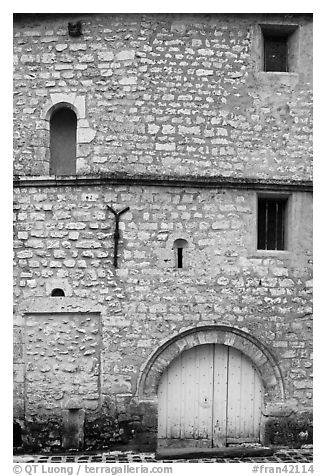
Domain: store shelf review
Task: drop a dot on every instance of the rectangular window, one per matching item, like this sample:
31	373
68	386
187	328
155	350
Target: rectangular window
280	47
275	53
271	223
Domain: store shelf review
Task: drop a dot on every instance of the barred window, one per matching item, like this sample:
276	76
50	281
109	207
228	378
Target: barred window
271	223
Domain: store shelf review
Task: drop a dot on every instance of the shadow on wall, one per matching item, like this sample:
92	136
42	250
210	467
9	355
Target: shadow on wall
17	435
293	431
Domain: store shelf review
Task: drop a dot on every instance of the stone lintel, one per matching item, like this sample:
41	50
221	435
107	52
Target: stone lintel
40	305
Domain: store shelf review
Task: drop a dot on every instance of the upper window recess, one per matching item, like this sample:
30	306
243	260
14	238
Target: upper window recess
271	229
63	127
280	51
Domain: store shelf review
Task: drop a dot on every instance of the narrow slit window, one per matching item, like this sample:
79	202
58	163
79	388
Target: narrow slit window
271	224
179	249
180	257
63	133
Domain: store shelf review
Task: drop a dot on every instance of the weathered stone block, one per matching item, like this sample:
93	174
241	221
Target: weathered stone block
85	135
166	147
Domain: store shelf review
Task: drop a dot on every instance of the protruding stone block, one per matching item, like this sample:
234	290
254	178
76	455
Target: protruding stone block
73	428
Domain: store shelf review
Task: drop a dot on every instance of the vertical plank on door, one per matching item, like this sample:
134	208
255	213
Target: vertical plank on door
174	399
258	403
183	382
194	379
205	383
220	370
244	404
189	404
247	397
233	401
162	406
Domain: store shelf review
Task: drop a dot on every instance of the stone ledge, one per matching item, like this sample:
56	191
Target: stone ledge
229	452
164	181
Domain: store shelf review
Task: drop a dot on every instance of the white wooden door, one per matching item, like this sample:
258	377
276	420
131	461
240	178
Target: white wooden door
245	399
210	395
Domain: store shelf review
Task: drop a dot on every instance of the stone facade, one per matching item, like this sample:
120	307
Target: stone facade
177	121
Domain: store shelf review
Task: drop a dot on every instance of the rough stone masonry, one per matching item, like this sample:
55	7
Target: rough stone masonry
177	120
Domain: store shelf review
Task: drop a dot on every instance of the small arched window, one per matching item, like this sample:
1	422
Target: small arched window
57	292
63	128
179	247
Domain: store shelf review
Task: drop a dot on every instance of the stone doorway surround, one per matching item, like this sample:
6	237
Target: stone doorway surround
262	358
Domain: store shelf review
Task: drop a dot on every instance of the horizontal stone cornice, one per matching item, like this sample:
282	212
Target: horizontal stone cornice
210	182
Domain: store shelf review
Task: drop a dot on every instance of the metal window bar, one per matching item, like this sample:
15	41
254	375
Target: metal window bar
281	218
275	235
266	226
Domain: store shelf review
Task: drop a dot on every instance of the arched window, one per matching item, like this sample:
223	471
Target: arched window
57	292
179	246
63	127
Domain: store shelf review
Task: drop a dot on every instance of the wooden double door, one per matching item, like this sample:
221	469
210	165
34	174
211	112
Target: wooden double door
209	396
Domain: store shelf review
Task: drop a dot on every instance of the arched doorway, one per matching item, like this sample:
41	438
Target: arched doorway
257	354
209	396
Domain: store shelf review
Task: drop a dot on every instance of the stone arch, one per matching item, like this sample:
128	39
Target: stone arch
58	283
72	101
60	105
171	348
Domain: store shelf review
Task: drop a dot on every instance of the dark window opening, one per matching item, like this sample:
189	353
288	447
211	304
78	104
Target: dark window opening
57	292
275	53
271	224
280	48
63	129
179	246
180	257
17	434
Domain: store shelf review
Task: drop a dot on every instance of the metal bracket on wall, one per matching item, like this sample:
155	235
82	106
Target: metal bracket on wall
116	234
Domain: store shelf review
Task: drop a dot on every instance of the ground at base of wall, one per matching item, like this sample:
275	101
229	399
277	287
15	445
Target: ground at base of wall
281	455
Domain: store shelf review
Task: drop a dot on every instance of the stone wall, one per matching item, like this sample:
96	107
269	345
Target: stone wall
63	362
64	238
176	120
164	94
